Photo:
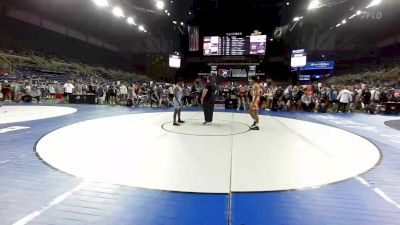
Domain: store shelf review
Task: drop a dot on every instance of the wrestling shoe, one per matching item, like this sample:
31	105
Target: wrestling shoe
254	128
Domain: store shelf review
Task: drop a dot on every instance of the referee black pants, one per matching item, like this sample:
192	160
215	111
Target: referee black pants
342	107
208	108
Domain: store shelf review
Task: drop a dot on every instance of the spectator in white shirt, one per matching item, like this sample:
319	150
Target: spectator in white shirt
68	89
52	90
123	93
344	98
375	95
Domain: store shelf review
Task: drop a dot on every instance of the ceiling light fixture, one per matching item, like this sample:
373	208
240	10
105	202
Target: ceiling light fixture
117	11
374	3
352	16
131	21
314	4
160	5
101	3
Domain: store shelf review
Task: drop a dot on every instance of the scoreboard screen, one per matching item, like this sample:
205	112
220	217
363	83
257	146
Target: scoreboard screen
258	44
234	45
212	45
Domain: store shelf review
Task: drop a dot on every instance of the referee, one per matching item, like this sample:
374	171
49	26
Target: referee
208	100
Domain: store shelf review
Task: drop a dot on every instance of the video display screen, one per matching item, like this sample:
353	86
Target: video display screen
258	44
304	77
212	45
234	45
174	61
299	58
320	65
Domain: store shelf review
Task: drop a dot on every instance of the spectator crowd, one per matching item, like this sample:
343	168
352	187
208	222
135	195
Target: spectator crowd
319	98
309	98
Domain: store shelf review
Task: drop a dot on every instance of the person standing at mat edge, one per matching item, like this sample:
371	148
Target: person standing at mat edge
178	95
254	107
208	100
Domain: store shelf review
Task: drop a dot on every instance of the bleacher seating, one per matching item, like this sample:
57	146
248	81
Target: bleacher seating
53	52
377	75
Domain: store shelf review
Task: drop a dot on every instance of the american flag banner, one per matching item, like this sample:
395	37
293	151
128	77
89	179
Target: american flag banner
193	38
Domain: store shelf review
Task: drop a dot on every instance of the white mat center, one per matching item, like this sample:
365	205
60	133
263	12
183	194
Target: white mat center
135	150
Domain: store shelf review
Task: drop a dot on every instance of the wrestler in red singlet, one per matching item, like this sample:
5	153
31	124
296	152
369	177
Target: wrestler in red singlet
254	107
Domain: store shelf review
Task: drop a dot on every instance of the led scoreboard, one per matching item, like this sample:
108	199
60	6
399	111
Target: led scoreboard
234	45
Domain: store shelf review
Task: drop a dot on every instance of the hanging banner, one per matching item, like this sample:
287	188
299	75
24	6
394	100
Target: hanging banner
194	40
